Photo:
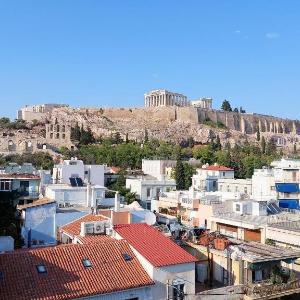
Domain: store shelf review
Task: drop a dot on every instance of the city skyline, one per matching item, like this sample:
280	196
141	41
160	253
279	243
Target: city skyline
108	54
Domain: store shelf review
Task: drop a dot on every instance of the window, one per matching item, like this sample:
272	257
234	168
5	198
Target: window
245	190
228	188
126	257
237	207
86	263
223	174
51	135
63	136
57	135
178	289
236	188
5	185
148	192
41	269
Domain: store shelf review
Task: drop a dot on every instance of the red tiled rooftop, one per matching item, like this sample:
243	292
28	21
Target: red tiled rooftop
217	168
66	277
73	228
153	245
94	238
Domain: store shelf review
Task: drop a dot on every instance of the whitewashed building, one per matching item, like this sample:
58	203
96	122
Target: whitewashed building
93	174
206	178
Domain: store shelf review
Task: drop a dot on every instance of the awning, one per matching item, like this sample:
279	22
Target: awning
289	203
287	187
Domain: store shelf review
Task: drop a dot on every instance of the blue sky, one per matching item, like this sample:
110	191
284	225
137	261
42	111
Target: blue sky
108	53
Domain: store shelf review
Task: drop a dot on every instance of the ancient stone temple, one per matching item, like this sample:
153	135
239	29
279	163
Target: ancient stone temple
165	98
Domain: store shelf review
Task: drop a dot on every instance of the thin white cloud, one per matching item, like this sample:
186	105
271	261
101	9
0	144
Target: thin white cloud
272	35
237	32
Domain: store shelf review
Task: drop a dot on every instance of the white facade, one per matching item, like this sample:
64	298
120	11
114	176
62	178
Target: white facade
165	276
93	174
143	293
206	178
148	188
263	184
157	168
236	186
164	98
66	195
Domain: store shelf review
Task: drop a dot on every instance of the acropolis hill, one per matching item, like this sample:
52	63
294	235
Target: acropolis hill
166	116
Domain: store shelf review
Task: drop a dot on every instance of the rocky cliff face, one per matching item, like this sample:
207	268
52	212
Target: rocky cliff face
174	124
177	124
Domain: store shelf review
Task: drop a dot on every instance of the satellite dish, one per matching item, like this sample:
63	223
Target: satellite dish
150	218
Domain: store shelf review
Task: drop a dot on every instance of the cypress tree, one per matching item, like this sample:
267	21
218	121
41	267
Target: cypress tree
179	175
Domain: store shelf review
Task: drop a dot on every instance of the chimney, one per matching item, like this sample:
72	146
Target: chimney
117	202
82	229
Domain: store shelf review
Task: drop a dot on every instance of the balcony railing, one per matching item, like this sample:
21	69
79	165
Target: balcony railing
266	289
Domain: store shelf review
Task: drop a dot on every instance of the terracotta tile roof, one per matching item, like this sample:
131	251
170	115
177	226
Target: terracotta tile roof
218	168
36	203
153	245
73	228
19	176
66	277
95	238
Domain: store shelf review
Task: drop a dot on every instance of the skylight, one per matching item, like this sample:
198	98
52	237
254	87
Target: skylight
126	256
41	269
86	263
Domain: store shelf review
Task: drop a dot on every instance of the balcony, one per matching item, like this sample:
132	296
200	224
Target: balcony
267	290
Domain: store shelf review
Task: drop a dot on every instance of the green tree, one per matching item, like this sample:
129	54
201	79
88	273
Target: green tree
75	133
263	145
179	175
204	154
258	135
86	137
226	106
189	171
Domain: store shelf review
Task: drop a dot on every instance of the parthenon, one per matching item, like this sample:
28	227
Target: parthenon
165	98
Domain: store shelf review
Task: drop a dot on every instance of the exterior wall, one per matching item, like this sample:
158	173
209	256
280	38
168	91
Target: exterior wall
263	185
157	168
40	220
241	186
148	189
204	214
207	180
75	168
283	236
84	196
94	174
144	293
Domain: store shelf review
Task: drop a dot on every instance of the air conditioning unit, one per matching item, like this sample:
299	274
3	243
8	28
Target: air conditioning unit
106	223
87	228
108	231
99	227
